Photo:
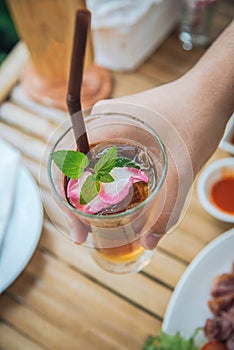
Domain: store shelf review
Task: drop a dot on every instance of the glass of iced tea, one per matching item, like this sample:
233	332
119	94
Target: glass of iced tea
120	191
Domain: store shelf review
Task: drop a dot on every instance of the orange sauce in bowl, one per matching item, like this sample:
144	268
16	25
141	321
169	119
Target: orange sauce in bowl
222	194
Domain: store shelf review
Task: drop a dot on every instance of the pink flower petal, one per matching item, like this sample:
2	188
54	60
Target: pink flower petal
115	192
110	193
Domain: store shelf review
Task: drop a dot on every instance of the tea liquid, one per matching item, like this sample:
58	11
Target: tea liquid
137	194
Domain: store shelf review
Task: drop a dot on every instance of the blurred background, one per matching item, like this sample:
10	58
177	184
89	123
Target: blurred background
116	43
8	35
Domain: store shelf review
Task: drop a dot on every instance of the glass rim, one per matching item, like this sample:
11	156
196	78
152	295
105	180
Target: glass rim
129	211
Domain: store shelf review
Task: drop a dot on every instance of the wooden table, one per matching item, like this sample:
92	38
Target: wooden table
62	300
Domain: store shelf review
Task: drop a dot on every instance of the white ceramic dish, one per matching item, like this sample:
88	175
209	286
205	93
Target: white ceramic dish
187	308
225	143
23	231
211	174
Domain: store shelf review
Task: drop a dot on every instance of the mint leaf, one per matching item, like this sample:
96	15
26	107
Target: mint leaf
71	163
90	189
106	178
106	162
122	162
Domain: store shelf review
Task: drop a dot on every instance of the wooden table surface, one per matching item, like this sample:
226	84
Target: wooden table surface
62	300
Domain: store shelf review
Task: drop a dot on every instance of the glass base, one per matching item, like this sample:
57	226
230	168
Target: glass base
97	85
123	267
191	40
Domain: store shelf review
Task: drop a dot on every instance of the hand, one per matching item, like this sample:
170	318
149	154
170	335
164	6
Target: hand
180	168
190	115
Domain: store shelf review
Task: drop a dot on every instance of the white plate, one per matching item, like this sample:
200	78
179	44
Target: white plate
187	308
23	231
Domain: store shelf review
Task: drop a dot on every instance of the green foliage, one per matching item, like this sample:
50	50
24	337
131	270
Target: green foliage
71	163
122	162
8	35
106	162
90	189
164	341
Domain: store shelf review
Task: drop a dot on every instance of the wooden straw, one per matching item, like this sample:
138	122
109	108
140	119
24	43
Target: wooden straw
73	100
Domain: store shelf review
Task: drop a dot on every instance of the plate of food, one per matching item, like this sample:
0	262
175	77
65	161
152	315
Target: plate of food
204	296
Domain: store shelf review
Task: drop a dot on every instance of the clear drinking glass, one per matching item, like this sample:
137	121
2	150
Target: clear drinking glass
116	240
196	22
47	28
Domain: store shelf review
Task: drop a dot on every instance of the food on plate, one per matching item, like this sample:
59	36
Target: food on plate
218	329
221	326
164	341
213	345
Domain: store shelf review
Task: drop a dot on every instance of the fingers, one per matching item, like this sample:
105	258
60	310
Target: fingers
78	230
177	198
180	173
151	241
